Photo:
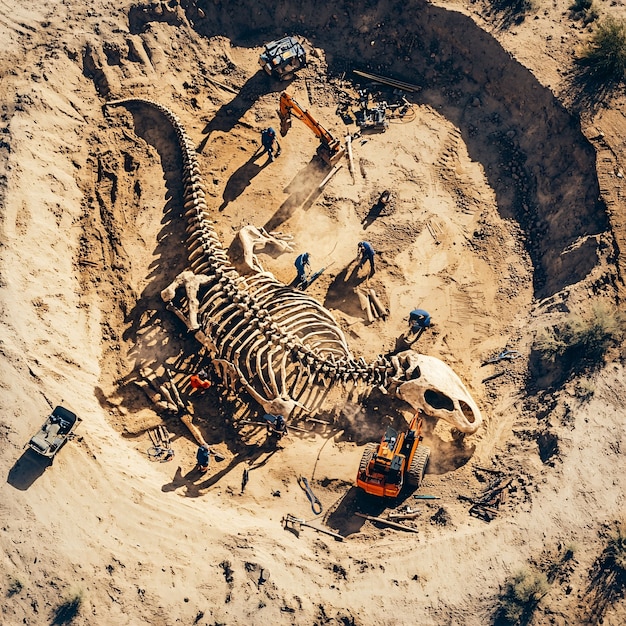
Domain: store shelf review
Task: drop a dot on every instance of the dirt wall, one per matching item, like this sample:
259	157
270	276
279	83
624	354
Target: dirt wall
534	154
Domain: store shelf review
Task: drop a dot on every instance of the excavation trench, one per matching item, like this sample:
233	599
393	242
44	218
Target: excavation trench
533	152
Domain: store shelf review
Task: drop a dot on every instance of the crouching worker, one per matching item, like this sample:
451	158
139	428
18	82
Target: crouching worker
203	457
419	320
276	425
200	381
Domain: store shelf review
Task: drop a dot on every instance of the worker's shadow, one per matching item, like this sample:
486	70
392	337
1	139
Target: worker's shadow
194	487
229	114
341	294
242	177
377	210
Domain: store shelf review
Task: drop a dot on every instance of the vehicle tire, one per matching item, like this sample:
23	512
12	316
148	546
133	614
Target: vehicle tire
368	453
416	472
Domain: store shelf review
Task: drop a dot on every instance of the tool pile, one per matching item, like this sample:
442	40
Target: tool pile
486	507
161	449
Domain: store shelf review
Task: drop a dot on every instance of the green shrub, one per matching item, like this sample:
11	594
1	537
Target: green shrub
584	10
580	342
523	593
605	53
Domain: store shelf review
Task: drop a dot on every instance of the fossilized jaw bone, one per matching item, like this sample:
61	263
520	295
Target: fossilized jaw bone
438	392
255	239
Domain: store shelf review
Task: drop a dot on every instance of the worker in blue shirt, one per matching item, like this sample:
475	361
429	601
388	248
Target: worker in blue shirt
419	320
203	458
303	266
366	252
270	143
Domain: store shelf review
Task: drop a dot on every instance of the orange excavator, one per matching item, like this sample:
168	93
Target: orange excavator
398	458
330	149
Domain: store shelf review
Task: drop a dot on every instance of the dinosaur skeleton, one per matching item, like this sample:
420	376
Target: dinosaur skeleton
276	342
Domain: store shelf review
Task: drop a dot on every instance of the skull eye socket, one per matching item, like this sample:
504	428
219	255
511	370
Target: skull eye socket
467	412
438	400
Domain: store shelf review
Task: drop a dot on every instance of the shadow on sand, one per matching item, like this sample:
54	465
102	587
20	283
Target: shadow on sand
27	469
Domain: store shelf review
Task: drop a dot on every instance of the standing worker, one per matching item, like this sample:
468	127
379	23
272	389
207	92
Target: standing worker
365	252
303	266
270	143
276	425
203	457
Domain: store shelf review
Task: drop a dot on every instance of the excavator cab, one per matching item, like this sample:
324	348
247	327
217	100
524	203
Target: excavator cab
397	459
282	58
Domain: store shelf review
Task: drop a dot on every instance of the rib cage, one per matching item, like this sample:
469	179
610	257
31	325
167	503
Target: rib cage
278	340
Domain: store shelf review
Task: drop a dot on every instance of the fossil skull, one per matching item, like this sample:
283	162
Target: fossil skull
437	391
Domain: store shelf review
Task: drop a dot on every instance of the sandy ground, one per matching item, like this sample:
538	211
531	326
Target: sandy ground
506	213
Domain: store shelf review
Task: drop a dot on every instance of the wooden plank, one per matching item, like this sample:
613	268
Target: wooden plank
350	158
387	522
329	176
222	85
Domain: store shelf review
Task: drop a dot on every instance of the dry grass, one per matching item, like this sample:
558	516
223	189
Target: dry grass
521	597
580	342
604	57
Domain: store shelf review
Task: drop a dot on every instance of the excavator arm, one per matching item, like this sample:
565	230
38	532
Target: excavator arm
330	149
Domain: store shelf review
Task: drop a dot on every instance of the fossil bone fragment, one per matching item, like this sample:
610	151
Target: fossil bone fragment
255	239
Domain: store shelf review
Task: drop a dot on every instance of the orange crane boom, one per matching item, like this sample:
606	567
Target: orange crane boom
330	149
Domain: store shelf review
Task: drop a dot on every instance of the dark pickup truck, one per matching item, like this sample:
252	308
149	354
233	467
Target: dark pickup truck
54	432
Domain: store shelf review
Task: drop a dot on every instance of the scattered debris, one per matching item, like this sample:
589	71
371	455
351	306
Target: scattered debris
486	506
505	355
294	524
441	517
405	513
161	449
